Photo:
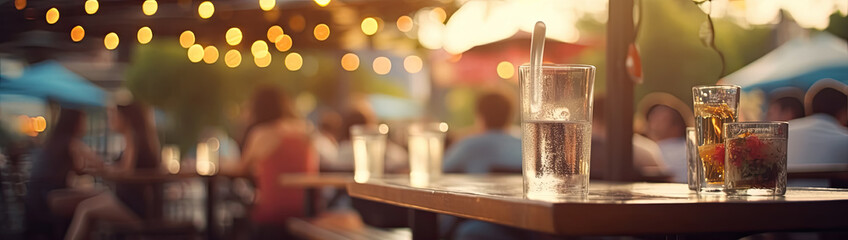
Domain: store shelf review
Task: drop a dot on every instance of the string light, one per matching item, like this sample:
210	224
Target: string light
294	61
284	43
20	4
274	32
439	14
52	15
505	70
91	6
404	23
205	9
413	64
232	58
186	38
382	65
77	33
322	3
210	54
149	7
263	61
259	49
111	41
350	62
195	53
321	32
267	5
369	26
144	35
233	36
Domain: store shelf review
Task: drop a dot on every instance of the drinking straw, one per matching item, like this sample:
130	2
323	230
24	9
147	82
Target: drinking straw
537	46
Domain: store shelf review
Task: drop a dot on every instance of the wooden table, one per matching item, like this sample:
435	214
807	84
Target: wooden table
609	209
310	182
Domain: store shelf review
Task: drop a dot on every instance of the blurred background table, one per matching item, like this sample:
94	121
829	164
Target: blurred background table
609	209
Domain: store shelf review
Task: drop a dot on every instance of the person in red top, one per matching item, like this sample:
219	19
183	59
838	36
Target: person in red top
276	142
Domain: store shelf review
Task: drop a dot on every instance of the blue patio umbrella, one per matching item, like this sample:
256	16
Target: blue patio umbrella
804	80
50	80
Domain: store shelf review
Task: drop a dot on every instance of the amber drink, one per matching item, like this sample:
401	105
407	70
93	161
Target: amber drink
714	106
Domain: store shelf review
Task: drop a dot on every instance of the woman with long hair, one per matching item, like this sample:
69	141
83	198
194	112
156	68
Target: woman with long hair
49	198
276	142
126	205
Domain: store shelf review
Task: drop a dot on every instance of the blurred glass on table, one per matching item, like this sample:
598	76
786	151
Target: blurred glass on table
693	163
369	150
756	158
714	106
556	118
426	149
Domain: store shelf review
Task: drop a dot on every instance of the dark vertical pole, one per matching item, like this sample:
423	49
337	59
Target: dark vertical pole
424	224
619	107
211	226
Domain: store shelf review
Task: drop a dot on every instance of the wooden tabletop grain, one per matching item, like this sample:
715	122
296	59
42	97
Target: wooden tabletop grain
613	208
310	180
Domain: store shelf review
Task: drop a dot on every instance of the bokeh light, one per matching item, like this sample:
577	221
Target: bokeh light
413	64
52	16
259	49
322	3
20	4
404	23
111	41
321	32
233	36
284	43
369	26
186	38
506	70
205	9
149	7
145	34
382	65
232	58
77	33
350	62
274	32
297	23
439	14
263	61
91	6
210	54
195	53
267	5
39	123
294	61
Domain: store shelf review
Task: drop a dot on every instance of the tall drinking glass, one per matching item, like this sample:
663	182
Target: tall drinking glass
369	151
556	119
693	163
426	148
755	158
714	106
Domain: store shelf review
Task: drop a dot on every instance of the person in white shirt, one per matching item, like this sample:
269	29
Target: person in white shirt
821	137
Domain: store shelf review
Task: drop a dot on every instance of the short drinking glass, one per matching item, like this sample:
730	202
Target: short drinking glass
426	148
714	106
556	119
755	156
369	151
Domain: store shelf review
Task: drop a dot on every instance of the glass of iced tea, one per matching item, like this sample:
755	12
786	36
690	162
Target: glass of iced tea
755	158
714	106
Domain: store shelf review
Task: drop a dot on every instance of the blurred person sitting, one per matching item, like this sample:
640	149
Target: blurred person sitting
493	150
785	104
325	139
821	137
50	199
127	204
666	119
276	142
